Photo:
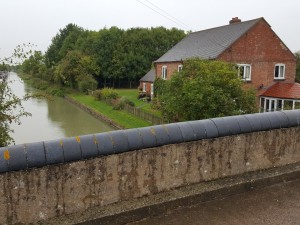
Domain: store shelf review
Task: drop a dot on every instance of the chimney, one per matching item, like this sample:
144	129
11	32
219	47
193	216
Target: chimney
235	20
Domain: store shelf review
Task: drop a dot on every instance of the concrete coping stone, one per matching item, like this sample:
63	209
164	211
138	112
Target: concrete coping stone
30	155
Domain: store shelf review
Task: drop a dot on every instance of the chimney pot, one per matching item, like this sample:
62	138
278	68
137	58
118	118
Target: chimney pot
235	20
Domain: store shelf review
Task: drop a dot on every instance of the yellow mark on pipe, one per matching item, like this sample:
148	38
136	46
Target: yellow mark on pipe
61	143
6	155
153	131
165	128
95	141
112	140
78	139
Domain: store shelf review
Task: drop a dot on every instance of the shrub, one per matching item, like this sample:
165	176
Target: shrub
127	101
87	84
120	103
155	104
97	94
108	94
60	92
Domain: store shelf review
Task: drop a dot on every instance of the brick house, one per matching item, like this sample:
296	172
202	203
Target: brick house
264	62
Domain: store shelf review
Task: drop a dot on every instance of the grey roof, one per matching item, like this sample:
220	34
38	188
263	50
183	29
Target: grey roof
207	44
149	77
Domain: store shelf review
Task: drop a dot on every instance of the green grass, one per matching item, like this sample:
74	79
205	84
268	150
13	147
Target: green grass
122	118
132	95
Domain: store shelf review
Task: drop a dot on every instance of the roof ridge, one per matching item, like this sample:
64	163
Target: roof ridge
234	24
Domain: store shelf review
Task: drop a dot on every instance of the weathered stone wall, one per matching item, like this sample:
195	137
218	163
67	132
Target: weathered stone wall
36	194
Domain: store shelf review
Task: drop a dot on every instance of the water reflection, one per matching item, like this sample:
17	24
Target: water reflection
51	119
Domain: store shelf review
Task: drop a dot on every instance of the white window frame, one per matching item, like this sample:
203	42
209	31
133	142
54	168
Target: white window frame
244	75
268	107
164	72
152	90
281	73
179	68
144	86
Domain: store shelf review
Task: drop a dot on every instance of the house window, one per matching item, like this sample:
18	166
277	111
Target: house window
164	72
179	68
244	71
279	71
144	87
152	89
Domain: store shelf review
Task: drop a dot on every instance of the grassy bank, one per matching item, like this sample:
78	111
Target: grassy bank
122	118
45	86
132	95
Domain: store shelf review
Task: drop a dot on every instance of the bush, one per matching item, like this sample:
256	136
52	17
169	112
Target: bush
87	84
106	94
60	92
39	84
120	104
109	94
127	101
97	94
155	104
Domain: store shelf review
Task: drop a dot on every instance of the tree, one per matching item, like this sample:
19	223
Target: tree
74	68
34	65
204	89
297	54
11	109
63	42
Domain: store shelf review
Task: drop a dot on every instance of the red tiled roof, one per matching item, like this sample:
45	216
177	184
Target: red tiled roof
283	90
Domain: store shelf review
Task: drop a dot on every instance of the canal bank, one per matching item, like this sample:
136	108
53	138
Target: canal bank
118	119
51	119
94	113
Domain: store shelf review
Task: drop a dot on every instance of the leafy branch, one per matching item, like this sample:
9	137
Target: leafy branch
21	52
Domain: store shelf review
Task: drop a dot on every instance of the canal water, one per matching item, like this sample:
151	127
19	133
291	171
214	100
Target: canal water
51	119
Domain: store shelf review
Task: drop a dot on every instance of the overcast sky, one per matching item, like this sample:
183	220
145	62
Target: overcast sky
38	21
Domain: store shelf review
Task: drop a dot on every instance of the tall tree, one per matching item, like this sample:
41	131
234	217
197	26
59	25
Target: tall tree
297	54
33	65
74	68
63	42
204	89
139	48
122	55
105	48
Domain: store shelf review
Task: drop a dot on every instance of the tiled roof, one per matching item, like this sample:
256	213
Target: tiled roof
149	77
283	90
207	44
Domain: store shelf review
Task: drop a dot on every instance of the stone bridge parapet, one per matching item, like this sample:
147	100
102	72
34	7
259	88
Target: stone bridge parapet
49	179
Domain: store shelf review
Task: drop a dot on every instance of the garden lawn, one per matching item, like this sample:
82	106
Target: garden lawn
132	95
121	117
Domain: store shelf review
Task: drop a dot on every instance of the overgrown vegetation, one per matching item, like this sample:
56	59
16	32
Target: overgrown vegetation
87	60
203	89
11	109
297	54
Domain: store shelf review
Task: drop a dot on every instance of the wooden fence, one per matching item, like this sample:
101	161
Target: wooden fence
143	115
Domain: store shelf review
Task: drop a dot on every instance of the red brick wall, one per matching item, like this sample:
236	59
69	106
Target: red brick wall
171	68
261	48
148	87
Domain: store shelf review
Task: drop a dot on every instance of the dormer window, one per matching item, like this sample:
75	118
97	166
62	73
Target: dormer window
179	68
244	71
164	72
279	71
